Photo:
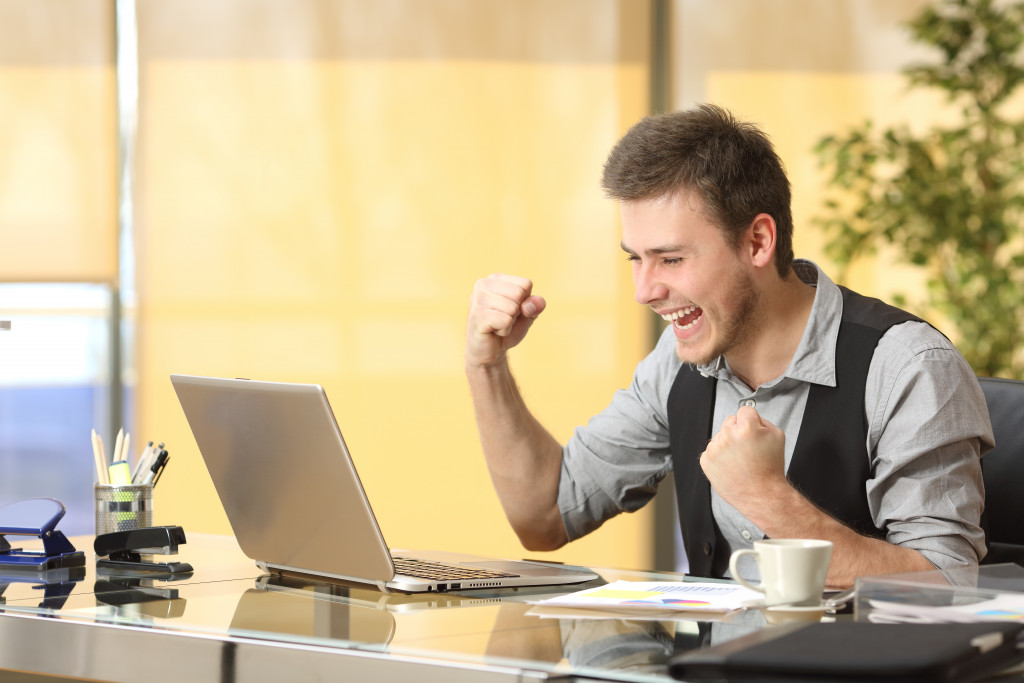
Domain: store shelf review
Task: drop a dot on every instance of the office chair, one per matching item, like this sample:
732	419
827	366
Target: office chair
1003	471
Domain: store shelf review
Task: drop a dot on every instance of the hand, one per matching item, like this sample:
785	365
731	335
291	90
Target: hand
745	462
501	310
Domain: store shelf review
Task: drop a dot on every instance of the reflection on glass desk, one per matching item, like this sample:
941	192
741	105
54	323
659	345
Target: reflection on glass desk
993	591
229	621
50	587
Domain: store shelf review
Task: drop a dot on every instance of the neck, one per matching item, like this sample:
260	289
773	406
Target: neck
784	308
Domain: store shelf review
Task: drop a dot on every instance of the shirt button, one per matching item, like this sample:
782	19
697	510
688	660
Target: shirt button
750	403
746	535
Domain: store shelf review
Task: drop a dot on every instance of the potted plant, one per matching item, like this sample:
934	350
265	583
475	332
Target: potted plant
950	200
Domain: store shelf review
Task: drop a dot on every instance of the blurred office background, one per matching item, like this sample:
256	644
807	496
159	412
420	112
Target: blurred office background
306	191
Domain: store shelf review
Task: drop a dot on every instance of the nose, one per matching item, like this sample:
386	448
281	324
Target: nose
648	288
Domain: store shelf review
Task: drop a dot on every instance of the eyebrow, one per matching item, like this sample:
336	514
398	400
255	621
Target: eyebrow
655	251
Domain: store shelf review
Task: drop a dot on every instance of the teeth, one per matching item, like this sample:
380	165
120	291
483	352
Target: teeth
672	317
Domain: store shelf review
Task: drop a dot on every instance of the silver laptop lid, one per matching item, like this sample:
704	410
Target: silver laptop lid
285	476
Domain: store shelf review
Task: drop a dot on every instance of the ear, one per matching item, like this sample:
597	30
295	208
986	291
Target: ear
761	240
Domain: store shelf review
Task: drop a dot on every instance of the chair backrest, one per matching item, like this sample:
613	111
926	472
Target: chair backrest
1003	470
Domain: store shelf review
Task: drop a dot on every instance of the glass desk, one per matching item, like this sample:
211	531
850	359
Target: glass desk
229	621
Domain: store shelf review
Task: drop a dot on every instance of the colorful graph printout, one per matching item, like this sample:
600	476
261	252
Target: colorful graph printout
667	596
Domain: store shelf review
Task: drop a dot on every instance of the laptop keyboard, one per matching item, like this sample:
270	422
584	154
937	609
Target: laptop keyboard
438	571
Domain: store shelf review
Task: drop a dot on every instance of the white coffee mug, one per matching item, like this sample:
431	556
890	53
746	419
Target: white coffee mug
793	570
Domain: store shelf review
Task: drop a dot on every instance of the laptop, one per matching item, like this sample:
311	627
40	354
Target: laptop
294	500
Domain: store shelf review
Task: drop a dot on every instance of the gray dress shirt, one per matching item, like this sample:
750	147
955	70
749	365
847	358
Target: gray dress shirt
928	425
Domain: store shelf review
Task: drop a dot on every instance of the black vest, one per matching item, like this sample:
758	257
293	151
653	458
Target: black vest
829	465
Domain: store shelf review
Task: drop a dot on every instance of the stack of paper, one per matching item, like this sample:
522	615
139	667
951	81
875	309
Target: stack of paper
663	600
1003	607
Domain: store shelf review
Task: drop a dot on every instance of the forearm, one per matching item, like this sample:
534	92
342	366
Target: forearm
790	515
523	458
745	464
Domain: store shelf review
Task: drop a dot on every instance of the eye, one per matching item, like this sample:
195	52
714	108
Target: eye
632	257
672	260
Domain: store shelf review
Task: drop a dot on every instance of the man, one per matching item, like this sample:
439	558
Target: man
830	415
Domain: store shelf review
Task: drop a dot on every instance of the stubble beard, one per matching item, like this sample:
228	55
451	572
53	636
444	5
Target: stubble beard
734	328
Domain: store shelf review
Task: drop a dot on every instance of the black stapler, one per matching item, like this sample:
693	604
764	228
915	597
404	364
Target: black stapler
123	550
136	593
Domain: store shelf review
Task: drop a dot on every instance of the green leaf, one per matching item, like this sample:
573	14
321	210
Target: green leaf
950	199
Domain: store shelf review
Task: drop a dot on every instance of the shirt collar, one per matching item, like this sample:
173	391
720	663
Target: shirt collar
815	357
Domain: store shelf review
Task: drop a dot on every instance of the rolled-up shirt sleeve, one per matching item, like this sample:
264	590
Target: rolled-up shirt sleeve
614	463
929	427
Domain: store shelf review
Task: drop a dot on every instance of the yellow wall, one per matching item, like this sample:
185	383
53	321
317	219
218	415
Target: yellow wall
322	218
58	142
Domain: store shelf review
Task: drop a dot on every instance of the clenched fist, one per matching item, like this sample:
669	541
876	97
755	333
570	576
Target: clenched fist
501	310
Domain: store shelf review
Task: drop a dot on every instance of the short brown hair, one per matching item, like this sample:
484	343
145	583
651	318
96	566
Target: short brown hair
731	164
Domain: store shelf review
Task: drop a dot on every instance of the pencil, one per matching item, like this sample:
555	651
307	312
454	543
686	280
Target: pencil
101	460
118	443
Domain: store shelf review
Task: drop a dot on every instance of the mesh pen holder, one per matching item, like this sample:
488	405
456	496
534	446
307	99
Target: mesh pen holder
123	508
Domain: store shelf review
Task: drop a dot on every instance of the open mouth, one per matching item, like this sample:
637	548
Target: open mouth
684	318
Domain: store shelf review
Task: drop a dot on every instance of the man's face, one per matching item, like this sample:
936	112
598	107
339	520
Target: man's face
686	271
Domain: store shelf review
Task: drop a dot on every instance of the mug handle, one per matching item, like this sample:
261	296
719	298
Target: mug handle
733	560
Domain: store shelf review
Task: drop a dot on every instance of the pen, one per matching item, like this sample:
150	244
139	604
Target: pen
163	466
156	469
140	464
147	463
